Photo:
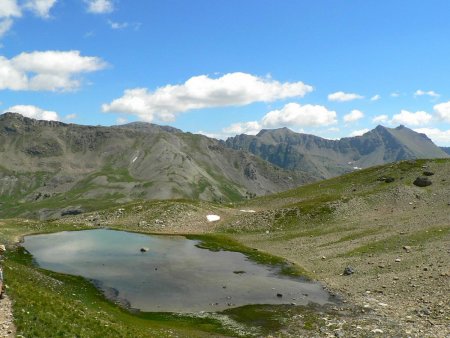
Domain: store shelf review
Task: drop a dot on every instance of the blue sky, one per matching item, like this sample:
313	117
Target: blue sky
331	68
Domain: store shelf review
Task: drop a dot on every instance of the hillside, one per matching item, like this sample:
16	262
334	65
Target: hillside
393	235
446	149
328	158
48	166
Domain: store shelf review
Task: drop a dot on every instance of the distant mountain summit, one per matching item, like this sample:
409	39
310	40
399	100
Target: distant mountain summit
327	158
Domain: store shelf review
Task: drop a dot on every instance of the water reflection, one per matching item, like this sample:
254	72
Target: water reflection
174	275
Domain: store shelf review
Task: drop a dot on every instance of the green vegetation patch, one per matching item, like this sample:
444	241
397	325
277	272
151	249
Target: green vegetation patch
219	242
398	241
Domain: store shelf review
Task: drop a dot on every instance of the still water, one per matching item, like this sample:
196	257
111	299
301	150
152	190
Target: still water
172	276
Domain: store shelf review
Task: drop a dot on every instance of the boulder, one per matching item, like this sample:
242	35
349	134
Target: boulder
422	182
349	271
428	173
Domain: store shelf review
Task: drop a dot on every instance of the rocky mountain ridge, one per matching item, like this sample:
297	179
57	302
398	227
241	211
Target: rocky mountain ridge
328	158
48	164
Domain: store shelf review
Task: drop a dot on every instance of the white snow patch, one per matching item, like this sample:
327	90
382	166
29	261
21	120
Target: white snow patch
357	168
213	218
244	210
134	159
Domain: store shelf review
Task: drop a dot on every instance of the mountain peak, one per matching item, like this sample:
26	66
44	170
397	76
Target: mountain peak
277	131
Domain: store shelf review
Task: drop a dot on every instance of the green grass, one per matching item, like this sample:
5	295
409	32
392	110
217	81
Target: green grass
396	242
218	242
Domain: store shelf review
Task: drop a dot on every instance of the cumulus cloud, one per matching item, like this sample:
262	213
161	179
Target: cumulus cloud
249	128
359	132
343	97
9	8
294	114
40	7
99	6
395	94
440	137
380	119
353	116
233	89
48	70
375	98
34	112
5	25
412	119
443	111
431	93
121	120
70	117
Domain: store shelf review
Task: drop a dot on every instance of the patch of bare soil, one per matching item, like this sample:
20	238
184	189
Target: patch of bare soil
7	328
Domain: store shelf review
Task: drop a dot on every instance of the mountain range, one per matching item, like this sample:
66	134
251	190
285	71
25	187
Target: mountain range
50	168
325	158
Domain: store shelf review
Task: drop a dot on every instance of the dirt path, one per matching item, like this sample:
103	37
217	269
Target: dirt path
7	328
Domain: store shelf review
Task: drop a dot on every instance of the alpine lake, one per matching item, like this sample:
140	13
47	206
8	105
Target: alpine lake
164	273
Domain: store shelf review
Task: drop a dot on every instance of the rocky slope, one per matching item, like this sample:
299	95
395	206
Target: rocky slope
391	235
328	158
46	165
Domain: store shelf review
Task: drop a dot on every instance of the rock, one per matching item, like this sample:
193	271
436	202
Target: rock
428	173
279	295
2	248
377	331
389	179
323	257
144	249
213	218
422	182
398	260
407	248
348	271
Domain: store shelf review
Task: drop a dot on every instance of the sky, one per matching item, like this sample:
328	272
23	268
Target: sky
225	67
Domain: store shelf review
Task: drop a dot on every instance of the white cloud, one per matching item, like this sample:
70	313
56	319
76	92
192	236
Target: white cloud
342	97
117	25
359	132
353	116
12	9
395	94
48	70
443	110
40	7
412	119
375	98
431	93
70	117
9	8
233	89
99	6
249	128
213	135
380	119
440	137
5	25
294	114
121	120
34	112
